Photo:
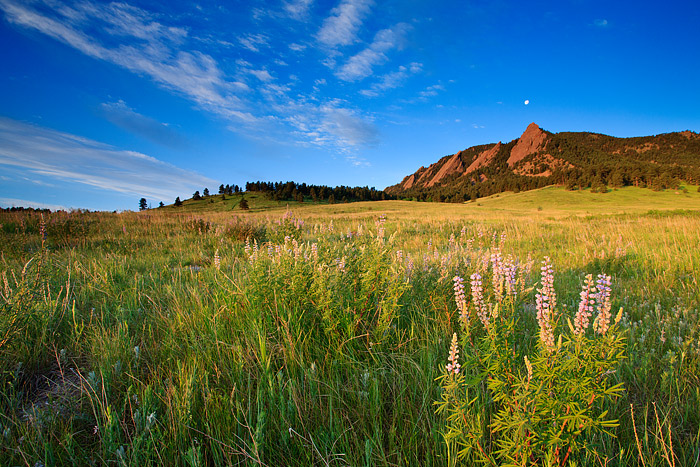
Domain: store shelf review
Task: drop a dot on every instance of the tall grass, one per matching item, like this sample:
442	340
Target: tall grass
316	342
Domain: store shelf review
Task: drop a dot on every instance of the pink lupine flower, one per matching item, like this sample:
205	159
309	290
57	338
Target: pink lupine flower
217	260
482	310
602	321
453	366
497	278
585	306
510	270
460	298
545	301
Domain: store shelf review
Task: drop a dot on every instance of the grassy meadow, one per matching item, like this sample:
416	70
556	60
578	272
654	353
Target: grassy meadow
315	334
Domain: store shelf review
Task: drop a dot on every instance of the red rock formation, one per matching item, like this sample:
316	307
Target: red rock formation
484	158
529	143
453	165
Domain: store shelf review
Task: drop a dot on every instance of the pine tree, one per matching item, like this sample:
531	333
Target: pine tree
243	204
178	202
206	192
143	204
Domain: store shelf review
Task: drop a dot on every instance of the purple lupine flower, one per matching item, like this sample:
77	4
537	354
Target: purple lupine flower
545	301
498	276
602	321
460	298
453	366
510	270
585	306
482	310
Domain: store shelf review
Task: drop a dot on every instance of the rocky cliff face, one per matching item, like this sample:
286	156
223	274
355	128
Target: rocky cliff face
539	157
530	142
465	162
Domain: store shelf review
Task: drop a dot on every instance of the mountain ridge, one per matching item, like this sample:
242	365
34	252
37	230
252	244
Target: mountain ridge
574	159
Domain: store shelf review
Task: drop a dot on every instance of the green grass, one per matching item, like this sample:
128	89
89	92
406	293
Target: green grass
122	343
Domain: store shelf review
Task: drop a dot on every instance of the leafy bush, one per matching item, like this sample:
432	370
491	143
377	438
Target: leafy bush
512	403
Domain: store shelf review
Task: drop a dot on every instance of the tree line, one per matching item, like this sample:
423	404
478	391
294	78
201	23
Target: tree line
291	191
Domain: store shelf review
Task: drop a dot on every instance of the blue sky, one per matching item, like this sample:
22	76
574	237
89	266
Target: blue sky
103	103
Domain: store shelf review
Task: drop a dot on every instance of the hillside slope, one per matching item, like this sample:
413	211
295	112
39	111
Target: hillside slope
573	159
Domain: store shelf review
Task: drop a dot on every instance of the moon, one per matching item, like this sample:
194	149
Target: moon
527	101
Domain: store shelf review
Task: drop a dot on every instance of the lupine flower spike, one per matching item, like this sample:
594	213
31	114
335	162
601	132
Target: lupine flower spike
545	301
602	321
460	298
217	260
453	366
478	298
585	306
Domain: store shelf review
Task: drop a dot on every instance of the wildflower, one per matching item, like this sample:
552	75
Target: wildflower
460	299
453	366
478	299
497	278
528	365
602	321
314	252
510	270
585	306
217	260
545	301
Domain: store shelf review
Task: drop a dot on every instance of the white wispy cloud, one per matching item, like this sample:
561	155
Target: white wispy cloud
349	127
247	96
66	157
262	75
254	42
432	90
392	80
340	28
601	23
298	9
139	44
127	118
360	66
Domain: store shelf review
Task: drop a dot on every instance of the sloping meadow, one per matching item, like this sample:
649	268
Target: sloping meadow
328	338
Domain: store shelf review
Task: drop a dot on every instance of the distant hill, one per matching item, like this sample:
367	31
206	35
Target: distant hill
572	159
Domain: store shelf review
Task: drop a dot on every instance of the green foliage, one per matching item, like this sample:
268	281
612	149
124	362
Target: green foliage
194	336
518	403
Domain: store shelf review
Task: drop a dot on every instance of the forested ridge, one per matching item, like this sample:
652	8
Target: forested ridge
575	160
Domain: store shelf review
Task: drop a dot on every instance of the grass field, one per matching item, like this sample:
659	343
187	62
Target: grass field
208	335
